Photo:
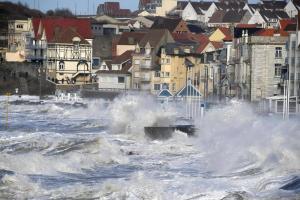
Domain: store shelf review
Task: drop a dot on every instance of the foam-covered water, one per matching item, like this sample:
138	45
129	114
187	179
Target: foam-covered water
100	151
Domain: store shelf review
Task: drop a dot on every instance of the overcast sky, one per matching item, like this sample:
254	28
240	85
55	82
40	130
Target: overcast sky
81	6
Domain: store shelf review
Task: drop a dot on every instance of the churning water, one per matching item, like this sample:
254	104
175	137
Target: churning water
53	151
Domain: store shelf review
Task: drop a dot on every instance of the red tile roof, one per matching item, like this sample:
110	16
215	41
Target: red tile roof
81	26
227	33
246	26
266	32
217	45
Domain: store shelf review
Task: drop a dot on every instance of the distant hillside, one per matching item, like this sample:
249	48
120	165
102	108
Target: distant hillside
10	10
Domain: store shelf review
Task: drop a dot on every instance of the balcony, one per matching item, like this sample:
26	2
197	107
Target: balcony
36	57
145	66
145	78
36	46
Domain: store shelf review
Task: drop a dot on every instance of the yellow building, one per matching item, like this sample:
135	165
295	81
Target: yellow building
221	34
175	62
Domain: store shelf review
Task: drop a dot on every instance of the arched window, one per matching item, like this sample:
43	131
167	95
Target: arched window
61	65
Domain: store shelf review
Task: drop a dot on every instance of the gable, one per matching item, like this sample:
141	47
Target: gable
256	19
189	91
218	35
189	13
182	28
165	93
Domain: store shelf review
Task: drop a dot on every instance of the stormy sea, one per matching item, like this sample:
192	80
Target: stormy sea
100	151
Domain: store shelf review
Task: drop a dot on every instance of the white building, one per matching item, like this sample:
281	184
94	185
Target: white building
18	31
64	47
116	74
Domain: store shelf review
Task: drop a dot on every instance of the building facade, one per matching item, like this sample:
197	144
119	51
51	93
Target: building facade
18	31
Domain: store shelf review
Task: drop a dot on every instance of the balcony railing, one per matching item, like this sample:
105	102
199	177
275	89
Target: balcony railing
145	66
38	57
36	46
145	78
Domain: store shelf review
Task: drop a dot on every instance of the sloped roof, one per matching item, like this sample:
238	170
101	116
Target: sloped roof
265	32
227	16
217	17
189	91
217	45
166	23
227	33
131	38
203	5
230	5
122	58
165	93
274	5
171	47
66	35
154	36
81	26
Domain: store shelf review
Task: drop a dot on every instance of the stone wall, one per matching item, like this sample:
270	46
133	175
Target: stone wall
25	77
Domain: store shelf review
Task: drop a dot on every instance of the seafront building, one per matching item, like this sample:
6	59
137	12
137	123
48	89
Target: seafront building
230	48
64	47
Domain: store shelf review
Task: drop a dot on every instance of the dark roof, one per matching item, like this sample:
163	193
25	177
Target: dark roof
166	23
230	16
198	6
233	16
171	47
217	17
230	6
274	5
153	37
122	58
131	38
268	14
195	28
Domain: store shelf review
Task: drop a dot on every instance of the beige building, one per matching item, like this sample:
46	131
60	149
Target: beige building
18	31
259	62
145	60
179	63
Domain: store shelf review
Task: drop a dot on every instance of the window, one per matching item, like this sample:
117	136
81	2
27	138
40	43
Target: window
174	86
166	86
121	79
168	61
156	74
277	70
278	52
61	65
162	74
19	25
137	62
167	74
156	86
